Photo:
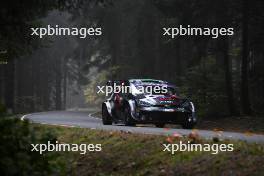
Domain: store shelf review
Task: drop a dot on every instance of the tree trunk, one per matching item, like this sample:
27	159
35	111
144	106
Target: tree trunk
245	102
9	89
2	84
64	82
58	102
228	77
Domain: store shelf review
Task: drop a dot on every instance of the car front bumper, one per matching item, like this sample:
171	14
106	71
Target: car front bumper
165	115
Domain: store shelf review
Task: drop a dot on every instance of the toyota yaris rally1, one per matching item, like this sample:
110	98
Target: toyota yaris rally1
147	101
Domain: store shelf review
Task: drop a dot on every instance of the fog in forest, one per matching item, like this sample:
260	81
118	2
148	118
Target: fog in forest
223	76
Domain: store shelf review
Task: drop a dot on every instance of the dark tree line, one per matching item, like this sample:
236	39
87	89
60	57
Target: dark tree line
219	74
224	76
38	71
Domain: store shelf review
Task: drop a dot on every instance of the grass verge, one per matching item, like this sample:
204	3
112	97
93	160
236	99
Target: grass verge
136	154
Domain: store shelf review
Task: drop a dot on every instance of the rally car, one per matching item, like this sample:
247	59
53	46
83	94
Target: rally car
152	107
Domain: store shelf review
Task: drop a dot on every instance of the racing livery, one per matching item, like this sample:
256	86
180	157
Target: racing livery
135	107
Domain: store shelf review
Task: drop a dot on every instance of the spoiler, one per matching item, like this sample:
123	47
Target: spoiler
117	82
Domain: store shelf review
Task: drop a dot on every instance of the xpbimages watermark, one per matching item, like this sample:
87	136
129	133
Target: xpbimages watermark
56	30
62	147
190	147
188	30
140	89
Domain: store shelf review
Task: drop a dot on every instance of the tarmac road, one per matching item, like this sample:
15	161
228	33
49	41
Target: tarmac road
87	119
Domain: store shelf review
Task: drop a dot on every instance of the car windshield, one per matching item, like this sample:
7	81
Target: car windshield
154	90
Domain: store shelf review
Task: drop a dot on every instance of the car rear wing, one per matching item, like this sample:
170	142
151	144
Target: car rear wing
117	82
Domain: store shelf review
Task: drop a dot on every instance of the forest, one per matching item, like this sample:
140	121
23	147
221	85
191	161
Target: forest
224	76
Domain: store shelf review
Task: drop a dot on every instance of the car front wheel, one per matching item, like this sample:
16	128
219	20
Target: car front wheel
106	118
128	120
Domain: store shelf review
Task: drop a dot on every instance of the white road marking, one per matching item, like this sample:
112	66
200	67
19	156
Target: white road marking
91	115
23	117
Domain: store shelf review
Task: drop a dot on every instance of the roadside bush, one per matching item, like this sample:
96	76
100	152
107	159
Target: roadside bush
207	84
17	158
2	109
100	79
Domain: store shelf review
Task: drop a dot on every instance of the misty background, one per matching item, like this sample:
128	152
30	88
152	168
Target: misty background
223	76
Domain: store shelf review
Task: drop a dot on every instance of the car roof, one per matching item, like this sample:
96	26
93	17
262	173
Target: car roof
142	81
150	82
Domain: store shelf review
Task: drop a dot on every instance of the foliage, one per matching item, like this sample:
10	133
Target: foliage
206	84
2	109
124	153
15	150
132	40
100	79
15	27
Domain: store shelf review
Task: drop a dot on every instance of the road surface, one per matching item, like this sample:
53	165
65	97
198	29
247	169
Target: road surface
87	119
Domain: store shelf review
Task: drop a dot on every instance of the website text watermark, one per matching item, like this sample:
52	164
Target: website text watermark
63	147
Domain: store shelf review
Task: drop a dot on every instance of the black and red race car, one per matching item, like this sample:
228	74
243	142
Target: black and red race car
142	104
